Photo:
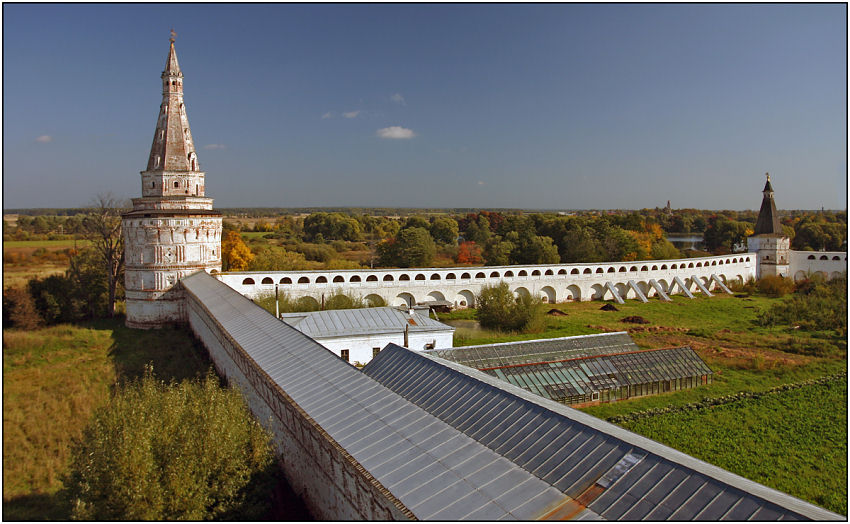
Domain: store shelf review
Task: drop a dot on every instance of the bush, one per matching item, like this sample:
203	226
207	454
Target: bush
19	309
497	308
775	286
822	306
188	451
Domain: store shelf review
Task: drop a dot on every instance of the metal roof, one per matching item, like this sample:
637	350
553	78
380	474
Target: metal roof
619	475
574	366
438	472
528	351
372	320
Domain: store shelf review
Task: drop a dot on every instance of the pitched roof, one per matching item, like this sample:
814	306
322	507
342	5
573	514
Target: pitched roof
435	470
618	475
342	322
768	219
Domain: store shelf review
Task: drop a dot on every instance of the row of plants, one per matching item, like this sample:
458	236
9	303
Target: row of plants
710	402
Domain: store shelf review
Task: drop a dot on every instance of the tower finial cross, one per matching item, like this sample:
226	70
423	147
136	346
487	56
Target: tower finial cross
768	176
173	34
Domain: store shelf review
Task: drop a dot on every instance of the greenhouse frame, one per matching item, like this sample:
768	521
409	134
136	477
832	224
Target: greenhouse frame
589	368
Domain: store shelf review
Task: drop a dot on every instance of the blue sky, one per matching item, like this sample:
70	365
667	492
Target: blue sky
543	106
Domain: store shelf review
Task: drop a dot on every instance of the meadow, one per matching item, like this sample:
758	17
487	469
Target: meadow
793	440
53	380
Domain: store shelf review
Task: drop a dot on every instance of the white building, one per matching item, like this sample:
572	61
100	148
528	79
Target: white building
357	335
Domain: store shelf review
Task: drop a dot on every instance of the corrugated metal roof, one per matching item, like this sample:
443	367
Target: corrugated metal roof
618	474
373	320
438	472
543	350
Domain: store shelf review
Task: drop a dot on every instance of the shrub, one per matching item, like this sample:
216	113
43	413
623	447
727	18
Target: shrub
19	309
164	452
497	308
775	286
822	306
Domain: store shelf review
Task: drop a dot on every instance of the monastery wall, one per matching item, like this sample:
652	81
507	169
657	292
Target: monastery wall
829	264
331	483
460	285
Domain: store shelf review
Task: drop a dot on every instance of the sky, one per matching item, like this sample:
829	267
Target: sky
547	106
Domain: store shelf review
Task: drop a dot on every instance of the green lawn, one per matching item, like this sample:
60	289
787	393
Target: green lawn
794	441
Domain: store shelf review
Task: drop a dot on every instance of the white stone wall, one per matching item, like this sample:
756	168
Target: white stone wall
360	346
829	264
553	282
159	251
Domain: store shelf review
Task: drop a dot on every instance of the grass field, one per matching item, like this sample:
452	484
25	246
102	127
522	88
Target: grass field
26	259
794	441
53	380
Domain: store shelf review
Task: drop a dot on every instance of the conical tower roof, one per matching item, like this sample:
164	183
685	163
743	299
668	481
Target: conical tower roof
172	148
768	220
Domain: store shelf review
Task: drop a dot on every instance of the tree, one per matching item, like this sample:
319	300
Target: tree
444	230
19	309
498	308
235	255
469	253
102	227
411	247
187	451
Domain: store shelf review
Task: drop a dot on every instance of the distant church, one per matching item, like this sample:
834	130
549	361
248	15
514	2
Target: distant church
172	230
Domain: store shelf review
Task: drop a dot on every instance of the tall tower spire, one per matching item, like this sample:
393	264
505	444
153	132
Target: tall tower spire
173	150
768	239
768	220
172	230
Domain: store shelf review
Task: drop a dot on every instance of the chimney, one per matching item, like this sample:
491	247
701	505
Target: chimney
406	333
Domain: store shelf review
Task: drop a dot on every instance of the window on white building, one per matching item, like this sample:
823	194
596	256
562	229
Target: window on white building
343	354
375	352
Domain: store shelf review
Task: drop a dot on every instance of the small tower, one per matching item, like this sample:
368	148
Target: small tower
172	230
768	241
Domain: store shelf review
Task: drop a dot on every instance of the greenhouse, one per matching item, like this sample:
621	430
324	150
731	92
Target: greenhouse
591	368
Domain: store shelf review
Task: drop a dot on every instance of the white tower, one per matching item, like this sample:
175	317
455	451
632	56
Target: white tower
768	241
172	230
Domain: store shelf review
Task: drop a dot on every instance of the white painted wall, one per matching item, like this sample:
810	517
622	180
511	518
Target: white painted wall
459	285
829	263
360	346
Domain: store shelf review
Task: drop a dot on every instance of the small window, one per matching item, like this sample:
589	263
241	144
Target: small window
375	352
153	184
176	184
343	354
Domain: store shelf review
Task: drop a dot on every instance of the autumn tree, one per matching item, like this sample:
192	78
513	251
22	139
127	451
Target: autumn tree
469	253
235	255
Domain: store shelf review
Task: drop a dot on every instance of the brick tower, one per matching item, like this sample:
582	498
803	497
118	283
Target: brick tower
768	241
172	230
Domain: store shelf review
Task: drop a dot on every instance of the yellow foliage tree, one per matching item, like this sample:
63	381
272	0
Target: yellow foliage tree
235	255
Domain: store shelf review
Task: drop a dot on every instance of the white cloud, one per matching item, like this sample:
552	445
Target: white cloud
327	115
351	114
398	99
215	146
395	132
44	139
